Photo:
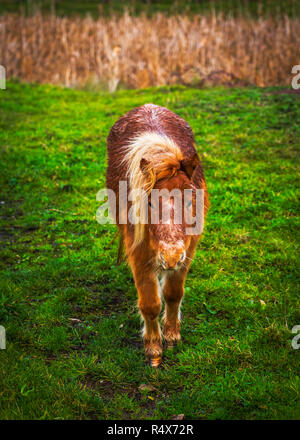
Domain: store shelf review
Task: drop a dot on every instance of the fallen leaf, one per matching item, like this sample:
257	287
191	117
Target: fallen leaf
263	304
178	417
145	387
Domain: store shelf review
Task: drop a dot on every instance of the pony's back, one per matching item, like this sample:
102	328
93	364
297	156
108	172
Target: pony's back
148	118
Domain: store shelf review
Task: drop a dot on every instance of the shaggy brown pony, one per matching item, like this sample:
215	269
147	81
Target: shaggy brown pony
152	148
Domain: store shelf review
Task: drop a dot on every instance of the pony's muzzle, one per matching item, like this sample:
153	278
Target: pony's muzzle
171	260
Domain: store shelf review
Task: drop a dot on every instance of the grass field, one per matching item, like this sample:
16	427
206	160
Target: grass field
73	343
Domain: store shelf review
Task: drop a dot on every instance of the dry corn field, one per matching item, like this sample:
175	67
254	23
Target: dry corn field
138	52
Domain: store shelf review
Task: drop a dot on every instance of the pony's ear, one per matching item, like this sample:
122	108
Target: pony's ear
189	165
148	173
144	166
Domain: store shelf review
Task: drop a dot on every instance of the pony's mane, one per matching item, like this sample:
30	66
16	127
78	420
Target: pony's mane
161	158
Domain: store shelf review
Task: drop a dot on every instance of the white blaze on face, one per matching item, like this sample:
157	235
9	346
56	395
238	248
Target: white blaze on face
168	210
179	245
166	206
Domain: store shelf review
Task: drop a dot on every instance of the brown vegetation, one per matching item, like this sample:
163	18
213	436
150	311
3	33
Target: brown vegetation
140	52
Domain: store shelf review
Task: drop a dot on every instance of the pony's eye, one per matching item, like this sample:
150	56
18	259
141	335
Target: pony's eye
151	205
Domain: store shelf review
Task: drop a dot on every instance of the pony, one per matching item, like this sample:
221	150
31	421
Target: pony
151	148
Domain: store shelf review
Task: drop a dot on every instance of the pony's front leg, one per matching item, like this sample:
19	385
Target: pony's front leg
149	305
173	290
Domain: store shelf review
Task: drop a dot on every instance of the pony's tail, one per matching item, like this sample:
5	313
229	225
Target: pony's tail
121	254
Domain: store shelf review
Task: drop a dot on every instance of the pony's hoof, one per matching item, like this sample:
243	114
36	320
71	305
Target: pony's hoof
170	344
154	361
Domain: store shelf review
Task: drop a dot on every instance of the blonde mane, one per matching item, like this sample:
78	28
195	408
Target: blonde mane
159	156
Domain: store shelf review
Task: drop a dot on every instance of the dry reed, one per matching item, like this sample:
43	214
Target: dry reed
140	52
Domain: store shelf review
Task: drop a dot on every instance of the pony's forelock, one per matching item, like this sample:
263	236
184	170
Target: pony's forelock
162	158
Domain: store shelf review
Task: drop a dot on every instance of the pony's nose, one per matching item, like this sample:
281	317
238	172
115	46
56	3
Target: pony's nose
162	260
182	257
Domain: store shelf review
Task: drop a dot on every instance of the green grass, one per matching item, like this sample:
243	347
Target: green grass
73	343
80	7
